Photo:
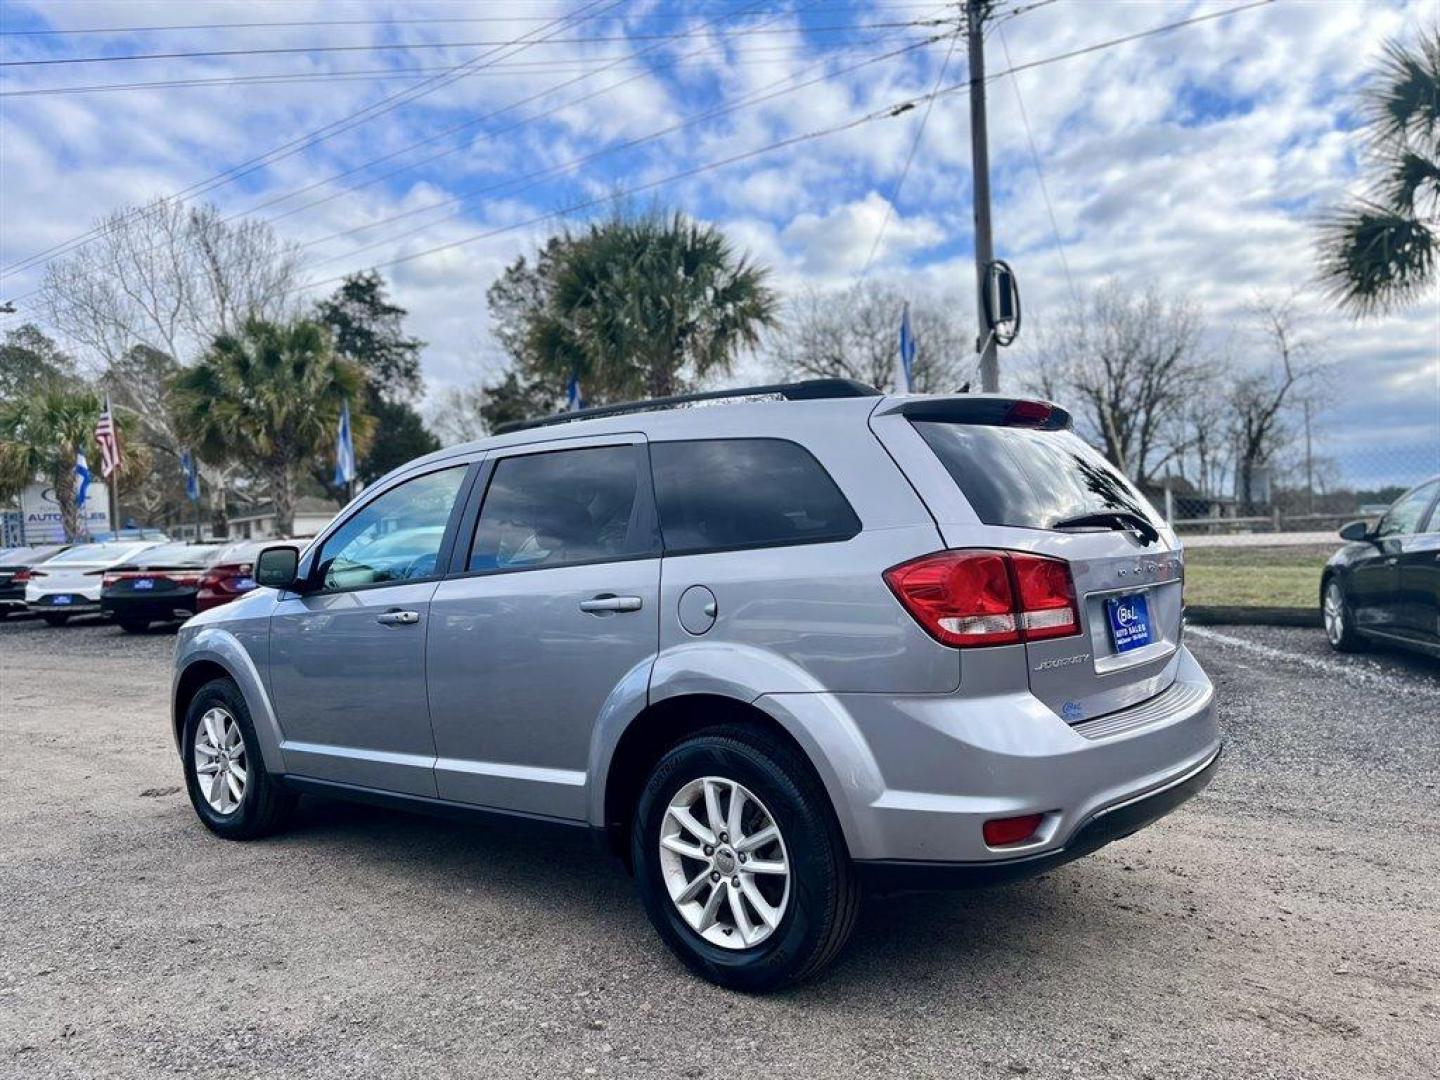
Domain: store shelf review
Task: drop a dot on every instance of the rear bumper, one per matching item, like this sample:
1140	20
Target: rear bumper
172	605
914	779
45	604
1113	823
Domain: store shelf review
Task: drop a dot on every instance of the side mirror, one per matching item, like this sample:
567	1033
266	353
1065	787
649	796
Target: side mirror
276	567
1356	530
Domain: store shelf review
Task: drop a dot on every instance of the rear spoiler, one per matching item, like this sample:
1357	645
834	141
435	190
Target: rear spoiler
991	409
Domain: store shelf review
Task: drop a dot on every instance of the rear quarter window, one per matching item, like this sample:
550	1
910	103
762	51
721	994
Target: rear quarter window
1029	478
727	494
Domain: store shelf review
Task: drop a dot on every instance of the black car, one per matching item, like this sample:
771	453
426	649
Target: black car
161	584
15	567
1384	585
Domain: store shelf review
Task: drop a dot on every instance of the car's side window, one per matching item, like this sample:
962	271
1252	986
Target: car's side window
562	507
1405	516
727	494
395	537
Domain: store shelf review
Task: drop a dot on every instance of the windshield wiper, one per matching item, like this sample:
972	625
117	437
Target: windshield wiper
1113	519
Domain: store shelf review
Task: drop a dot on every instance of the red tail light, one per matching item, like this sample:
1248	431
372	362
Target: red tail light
231	580
23	576
977	597
109	580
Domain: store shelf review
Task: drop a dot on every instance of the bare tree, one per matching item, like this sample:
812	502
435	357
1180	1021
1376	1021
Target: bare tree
163	281
855	334
1127	365
1258	399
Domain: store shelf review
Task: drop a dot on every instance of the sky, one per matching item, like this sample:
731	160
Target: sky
1196	161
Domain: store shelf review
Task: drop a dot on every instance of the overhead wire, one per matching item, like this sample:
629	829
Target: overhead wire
894	110
1039	170
410	46
909	158
322	133
769	92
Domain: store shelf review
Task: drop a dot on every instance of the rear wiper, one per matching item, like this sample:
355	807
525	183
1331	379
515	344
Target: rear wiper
1113	519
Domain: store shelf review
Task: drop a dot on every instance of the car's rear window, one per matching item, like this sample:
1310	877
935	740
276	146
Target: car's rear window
176	555
1028	478
100	553
723	494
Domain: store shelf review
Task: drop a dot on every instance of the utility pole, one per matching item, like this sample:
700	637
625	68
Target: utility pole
975	11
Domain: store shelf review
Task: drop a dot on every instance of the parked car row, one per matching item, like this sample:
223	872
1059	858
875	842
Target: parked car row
135	583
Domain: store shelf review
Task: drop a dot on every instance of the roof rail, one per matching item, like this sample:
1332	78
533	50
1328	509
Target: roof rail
806	390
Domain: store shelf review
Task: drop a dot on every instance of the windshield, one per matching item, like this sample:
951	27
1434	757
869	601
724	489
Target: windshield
1031	479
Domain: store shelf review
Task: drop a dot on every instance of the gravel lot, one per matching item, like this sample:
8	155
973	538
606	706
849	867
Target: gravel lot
1285	924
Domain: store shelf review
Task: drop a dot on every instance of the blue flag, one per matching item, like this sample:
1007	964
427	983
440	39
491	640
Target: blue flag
905	360
572	393
344	450
82	470
192	475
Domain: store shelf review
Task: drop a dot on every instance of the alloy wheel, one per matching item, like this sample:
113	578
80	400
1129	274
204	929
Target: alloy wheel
220	765
1334	613
724	863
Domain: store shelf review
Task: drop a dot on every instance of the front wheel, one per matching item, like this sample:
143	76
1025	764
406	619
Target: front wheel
739	861
1339	623
224	774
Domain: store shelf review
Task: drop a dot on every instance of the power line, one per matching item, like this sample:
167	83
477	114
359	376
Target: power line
325	131
759	96
560	66
894	110
1112	42
294	23
709	166
476	121
1039	172
909	157
410	46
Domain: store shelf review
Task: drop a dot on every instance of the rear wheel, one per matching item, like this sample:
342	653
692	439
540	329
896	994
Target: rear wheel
739	861
224	774
55	620
1339	623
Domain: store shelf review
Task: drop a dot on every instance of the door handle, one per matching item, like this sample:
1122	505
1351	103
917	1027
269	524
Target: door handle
611	603
398	618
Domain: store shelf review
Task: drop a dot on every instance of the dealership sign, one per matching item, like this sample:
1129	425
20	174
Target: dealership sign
40	514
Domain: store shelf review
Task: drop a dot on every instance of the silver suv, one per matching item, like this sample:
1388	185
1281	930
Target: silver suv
772	653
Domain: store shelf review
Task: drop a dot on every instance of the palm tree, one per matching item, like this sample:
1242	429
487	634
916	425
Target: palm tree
270	397
40	436
1378	253
643	307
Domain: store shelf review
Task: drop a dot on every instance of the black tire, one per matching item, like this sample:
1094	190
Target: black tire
265	806
824	893
134	626
55	620
1347	639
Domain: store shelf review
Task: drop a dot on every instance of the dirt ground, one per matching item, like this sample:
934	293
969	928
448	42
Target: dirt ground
1284	924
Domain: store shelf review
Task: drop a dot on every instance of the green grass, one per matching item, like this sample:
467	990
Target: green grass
1255	577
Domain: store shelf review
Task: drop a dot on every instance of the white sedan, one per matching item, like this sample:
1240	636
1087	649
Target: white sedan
69	584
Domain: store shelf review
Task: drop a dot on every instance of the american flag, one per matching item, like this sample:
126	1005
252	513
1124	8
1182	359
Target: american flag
109	441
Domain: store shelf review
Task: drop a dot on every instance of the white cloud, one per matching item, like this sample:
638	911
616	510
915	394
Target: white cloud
1196	159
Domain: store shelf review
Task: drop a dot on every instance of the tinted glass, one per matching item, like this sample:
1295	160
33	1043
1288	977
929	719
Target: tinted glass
1405	516
719	494
395	537
175	555
571	506
1030	479
100	553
